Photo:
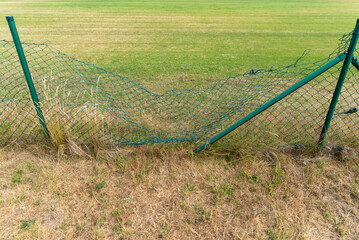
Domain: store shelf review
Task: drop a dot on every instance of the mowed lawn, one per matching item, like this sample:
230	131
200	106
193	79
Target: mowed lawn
174	44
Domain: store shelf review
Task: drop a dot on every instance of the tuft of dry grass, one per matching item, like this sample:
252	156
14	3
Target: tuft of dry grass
161	191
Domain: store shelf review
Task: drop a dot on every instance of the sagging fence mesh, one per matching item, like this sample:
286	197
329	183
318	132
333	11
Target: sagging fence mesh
87	102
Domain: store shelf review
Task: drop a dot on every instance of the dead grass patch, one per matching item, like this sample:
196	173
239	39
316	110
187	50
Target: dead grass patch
152	192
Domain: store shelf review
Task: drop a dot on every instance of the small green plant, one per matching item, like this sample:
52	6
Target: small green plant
80	227
29	166
279	175
117	227
164	231
225	190
277	179
320	164
16	178
26	224
252	189
190	188
37	202
121	164
140	176
271	235
253	179
117	215
250	178
270	189
63	194
327	211
199	210
100	185
340	231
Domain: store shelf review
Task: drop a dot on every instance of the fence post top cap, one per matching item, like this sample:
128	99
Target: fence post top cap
9	18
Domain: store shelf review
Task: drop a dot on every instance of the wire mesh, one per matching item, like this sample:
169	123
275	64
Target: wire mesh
88	102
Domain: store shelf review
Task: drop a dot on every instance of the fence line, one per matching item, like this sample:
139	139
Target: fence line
89	103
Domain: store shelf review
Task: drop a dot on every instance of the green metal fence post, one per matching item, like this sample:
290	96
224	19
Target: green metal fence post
274	100
25	68
355	63
338	88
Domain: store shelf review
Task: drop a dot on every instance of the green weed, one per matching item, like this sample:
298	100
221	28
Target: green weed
26	224
200	212
38	202
222	191
190	188
16	178
100	185
340	231
29	166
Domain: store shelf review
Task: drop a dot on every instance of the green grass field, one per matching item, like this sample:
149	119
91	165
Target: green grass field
174	44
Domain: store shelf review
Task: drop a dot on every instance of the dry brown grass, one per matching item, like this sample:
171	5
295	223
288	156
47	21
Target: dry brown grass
151	192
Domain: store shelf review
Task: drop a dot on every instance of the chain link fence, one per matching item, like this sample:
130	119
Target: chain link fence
89	103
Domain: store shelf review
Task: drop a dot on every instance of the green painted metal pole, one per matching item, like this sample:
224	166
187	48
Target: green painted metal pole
274	100
355	62
338	88
25	68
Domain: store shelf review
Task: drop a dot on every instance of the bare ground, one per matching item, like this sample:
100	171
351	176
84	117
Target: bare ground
153	192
